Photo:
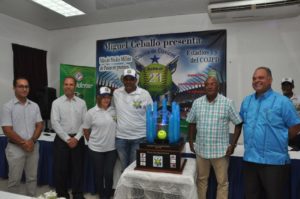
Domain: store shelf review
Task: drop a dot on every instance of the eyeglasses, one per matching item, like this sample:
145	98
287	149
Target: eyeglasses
22	86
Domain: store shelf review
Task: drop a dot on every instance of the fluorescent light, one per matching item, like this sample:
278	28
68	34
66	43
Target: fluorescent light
60	7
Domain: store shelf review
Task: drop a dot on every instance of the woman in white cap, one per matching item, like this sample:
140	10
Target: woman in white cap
100	130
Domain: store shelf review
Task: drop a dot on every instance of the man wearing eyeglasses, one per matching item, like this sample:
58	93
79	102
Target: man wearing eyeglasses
22	123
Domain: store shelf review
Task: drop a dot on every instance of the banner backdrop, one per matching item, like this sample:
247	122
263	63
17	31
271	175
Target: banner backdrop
86	78
169	65
172	65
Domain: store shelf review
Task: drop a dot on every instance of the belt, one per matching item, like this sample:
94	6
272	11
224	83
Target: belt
72	135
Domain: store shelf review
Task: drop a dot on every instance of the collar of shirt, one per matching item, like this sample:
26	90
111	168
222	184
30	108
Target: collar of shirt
136	92
66	99
16	100
214	101
101	109
264	95
294	97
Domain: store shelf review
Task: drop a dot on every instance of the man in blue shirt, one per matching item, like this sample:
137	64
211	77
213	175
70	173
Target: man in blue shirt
269	120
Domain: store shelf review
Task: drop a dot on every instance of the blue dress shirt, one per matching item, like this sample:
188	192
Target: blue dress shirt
267	119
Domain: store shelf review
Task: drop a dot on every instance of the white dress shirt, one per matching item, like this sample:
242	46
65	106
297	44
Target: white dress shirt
296	101
67	116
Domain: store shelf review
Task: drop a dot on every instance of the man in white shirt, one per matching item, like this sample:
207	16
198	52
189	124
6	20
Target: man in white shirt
67	116
130	102
287	86
22	123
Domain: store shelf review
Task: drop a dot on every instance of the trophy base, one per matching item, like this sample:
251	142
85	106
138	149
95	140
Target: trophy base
161	157
152	169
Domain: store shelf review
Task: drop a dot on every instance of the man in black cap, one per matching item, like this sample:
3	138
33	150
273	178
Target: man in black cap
287	86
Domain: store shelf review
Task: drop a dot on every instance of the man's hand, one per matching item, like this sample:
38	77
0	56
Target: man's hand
72	142
192	146
87	133
28	145
192	133
230	150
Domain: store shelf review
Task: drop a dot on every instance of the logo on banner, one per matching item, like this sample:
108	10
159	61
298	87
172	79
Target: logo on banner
156	77
78	76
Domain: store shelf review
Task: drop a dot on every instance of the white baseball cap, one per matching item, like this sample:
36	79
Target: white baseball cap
104	91
129	72
287	79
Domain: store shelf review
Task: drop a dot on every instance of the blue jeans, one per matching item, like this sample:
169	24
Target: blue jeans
127	150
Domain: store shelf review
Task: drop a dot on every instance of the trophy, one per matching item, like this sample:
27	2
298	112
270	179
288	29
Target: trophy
163	126
163	150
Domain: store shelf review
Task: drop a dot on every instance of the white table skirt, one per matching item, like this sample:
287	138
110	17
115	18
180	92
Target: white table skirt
144	184
7	195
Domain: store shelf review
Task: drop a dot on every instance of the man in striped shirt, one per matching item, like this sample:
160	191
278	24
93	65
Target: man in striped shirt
209	121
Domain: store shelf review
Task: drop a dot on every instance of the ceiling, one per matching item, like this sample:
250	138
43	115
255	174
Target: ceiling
100	11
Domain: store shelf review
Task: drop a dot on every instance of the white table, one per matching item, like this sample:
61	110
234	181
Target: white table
46	172
239	152
145	184
7	195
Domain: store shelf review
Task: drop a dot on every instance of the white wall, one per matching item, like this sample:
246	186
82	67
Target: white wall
275	44
14	31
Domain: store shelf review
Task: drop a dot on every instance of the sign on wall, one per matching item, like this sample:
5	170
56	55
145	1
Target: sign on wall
86	78
169	65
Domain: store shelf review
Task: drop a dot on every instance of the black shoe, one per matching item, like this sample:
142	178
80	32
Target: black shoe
78	196
66	195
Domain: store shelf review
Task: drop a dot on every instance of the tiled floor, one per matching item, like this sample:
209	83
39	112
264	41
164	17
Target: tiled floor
40	189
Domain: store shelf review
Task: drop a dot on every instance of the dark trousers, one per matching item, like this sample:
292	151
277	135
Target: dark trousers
103	164
264	181
68	165
295	142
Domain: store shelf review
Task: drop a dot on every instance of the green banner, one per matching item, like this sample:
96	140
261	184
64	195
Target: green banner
86	79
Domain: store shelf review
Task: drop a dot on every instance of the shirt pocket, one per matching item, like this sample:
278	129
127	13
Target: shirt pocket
77	110
222	116
31	117
273	117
